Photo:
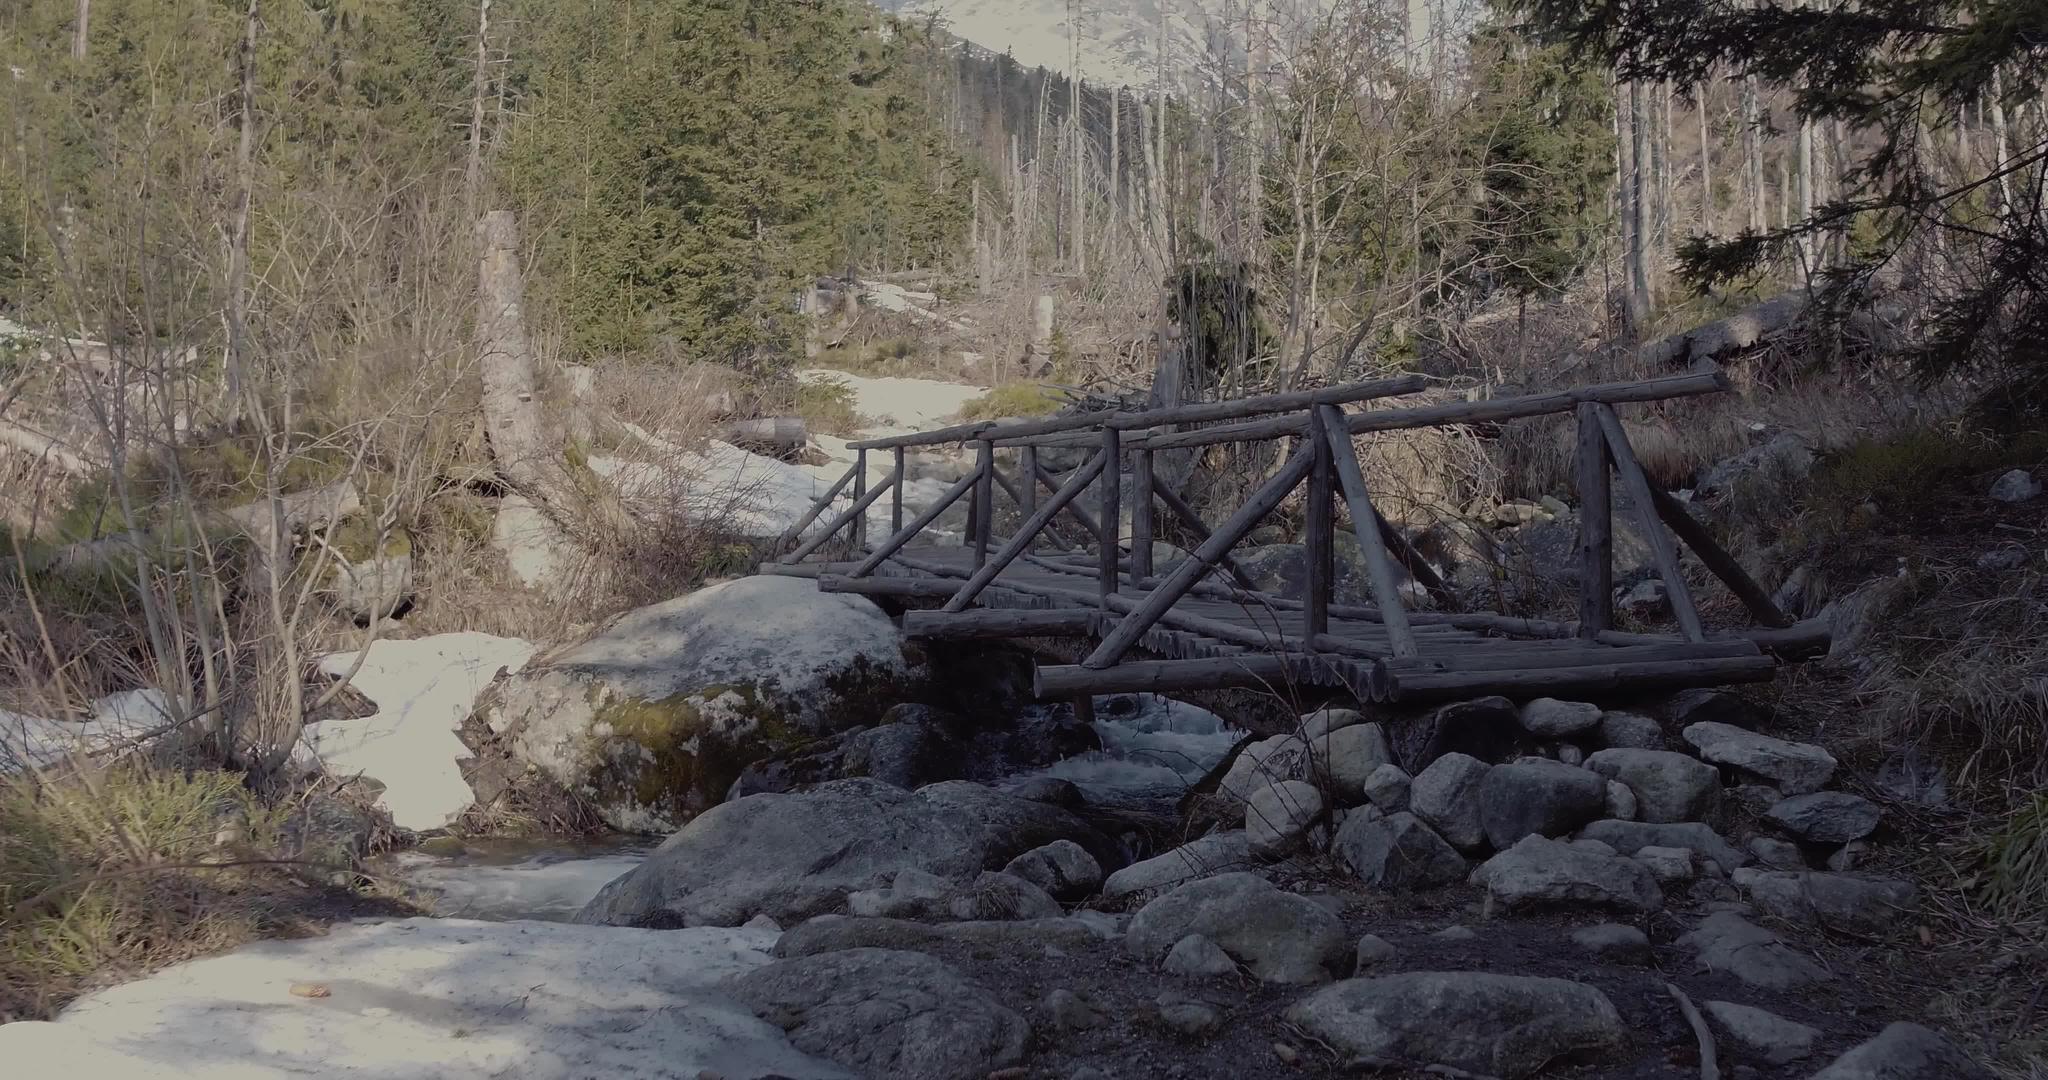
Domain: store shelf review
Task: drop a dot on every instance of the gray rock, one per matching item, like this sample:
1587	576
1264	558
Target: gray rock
652	719
1914	777
1387	788
1323	721
1216	853
1446	796
1904	1052
1613	943
1347	757
372	588
885	1013
1669	865
2003	559
1198	956
1263	763
1507	1026
1621	802
2015	486
1714	706
1487	728
1855	902
1373	952
1765	1036
1797	768
1538	870
1629	837
1827	817
1550	718
1189	1016
1397	852
1278	817
1649	598
1594	846
996	895
794	856
1757	798
1630	731
1848	857
1277	936
1727	942
1050	790
1062	868
914	894
1668	786
1777	854
1066	1011
1456	934
837	933
1570	754
1538	797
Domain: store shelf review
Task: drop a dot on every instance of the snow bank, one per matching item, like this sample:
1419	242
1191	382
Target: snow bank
428	999
423	690
900	404
117	720
551	887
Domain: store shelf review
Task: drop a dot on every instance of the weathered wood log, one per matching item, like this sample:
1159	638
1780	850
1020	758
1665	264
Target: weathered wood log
1088	522
776	434
1193	522
852	513
1000	623
860	490
1141	514
1596	526
1320	518
1538	682
984	514
1111	483
1026	498
1248	671
917	525
1482	657
47	448
1207	412
1716	558
896	495
1020	542
1662	551
790	534
1365	523
1723	337
907	588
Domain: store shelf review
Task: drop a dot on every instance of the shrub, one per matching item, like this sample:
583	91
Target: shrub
2016	859
828	406
1014	399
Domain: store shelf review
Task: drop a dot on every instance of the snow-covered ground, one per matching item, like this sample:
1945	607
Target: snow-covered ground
897	404
117	721
423	690
431	999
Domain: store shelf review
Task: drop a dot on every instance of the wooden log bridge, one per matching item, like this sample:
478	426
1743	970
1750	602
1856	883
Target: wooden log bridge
1199	618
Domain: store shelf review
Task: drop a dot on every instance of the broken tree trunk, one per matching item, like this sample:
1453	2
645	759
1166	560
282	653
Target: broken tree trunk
1743	330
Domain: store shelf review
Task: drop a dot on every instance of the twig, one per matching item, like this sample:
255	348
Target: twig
1709	1069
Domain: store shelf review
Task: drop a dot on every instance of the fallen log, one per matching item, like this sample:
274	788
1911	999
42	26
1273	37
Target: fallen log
1743	330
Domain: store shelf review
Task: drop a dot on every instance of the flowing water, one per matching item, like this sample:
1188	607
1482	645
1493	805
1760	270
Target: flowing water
1153	748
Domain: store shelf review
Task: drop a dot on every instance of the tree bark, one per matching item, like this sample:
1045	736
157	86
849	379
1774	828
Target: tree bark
473	171
238	226
81	30
513	423
1640	223
1701	94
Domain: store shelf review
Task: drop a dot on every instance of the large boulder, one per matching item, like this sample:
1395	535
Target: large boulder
653	718
1668	786
1476	1023
1397	852
1766	1036
1347	757
1279	937
1062	868
1797	768
1727	942
1263	763
1539	797
1278	817
1542	871
794	856
1216	853
1860	903
1826	817
1446	796
1629	837
884	1012
1904	1052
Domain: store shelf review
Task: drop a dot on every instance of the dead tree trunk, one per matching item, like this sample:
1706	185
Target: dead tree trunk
519	442
80	29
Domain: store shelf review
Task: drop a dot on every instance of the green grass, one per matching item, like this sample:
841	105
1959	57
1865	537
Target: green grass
1013	399
827	406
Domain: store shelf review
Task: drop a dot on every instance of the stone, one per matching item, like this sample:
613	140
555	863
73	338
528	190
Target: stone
1062	868
1569	754
763	922
1397	852
1613	943
914	894
1668	786
1826	817
1050	790
1507	1026
1670	865
996	895
1777	854
837	933
1066	1011
2004	559
1629	837
2015	486
1216	853
1594	846
1347	757
1621	802
916	744
1860	903
1538	797
1630	731
1649	598
651	720
1446	796
1550	718
1726	942
882	1012
1323	721
1765	1036
1757	798
1278	817
1912	776
1487	728
1904	1051
1714	706
1387	788
1456	934
1187	1015
1279	937
1797	768
376	587
1261	764
1848	857
794	856
1373	952
1198	956
1538	870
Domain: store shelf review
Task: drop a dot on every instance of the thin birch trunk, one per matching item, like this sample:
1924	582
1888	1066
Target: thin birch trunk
1753	152
1700	99
81	29
473	170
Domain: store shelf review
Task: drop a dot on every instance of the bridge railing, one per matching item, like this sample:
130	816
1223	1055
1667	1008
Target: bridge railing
1324	458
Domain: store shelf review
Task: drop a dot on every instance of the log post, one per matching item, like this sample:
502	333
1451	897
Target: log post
1321	538
1027	471
1689	529
1141	515
790	535
1596	527
1365	523
903	536
1021	542
1112	515
1081	515
860	488
846	517
1662	550
896	496
984	500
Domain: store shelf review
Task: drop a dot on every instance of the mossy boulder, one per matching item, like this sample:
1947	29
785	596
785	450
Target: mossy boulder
654	717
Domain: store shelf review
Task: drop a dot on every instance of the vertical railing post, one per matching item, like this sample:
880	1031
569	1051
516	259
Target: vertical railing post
984	499
1027	481
1112	513
896	496
1141	515
859	532
1321	538
1596	526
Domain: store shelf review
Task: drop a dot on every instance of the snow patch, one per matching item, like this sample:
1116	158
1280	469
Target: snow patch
432	998
898	404
423	689
117	720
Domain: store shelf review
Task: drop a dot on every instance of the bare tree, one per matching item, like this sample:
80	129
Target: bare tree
81	30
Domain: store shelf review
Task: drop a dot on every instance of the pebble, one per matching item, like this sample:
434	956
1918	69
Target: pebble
1288	1055
1456	933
